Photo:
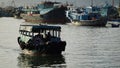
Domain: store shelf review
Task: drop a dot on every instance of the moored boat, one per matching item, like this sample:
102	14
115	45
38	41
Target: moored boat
41	39
89	16
46	12
115	25
98	22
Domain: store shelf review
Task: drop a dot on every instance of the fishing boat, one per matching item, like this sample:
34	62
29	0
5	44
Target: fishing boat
111	11
41	39
89	16
45	12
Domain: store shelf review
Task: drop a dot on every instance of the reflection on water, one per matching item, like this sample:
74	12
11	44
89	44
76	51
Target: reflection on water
41	61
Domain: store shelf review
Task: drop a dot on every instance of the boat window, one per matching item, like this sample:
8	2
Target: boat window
53	33
24	33
27	33
58	33
45	31
31	34
35	34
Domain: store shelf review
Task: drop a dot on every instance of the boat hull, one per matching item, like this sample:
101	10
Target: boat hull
49	48
39	19
99	22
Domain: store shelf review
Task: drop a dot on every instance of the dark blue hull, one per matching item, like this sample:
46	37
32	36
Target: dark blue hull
50	48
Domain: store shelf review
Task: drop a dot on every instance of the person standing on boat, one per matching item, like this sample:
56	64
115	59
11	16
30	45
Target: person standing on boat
48	36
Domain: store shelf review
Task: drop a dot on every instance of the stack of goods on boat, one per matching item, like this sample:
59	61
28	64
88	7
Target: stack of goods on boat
41	39
45	12
88	16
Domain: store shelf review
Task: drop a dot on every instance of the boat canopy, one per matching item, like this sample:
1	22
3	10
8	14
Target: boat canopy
37	28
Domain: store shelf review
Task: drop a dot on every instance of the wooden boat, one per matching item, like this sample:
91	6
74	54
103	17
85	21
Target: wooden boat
41	39
45	12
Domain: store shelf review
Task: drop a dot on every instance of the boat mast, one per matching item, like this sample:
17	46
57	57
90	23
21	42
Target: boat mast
13	3
2	4
91	2
112	2
119	3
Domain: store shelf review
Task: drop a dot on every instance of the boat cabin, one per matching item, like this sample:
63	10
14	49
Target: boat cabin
29	31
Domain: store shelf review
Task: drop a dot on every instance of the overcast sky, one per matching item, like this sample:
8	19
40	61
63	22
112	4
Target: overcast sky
75	2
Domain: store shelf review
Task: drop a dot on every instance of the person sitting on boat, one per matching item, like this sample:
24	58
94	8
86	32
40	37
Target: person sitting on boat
38	40
48	38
